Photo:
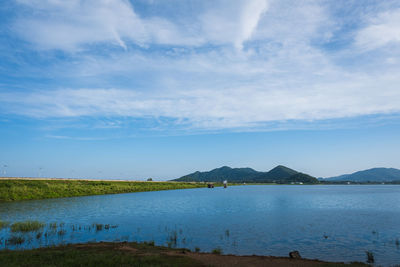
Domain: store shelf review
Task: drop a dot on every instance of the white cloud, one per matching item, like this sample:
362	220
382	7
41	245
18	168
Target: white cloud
70	25
259	63
219	109
233	23
383	29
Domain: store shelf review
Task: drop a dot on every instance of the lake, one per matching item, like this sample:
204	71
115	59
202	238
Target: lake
327	222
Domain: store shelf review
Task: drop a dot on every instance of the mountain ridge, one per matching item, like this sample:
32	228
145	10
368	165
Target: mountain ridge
279	174
369	175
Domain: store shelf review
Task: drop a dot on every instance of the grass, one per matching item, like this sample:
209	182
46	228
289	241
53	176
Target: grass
28	226
12	190
136	254
102	254
217	251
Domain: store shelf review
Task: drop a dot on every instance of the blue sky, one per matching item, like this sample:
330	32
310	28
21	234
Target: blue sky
157	88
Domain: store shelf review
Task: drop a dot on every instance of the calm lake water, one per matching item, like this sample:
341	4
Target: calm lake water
333	223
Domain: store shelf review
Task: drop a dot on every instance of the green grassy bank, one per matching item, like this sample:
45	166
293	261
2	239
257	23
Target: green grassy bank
143	254
12	190
102	254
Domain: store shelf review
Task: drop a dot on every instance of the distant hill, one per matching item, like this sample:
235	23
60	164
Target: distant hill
221	174
279	174
371	175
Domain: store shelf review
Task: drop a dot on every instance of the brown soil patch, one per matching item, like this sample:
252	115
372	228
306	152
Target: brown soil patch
130	249
256	261
209	259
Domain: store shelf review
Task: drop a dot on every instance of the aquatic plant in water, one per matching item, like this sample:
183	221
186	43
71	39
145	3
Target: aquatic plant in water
173	239
27	226
15	240
99	227
370	257
62	232
53	226
227	233
217	250
4	224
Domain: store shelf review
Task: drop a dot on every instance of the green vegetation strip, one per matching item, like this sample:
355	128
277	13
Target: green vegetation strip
101	254
12	190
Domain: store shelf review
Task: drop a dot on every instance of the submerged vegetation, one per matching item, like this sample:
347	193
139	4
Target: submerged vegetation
15	240
370	257
11	190
4	224
28	226
22	234
147	253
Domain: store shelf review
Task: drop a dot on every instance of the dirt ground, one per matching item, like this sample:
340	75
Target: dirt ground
209	259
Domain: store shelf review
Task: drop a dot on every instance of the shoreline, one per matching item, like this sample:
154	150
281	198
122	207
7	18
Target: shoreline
18	189
144	254
28	188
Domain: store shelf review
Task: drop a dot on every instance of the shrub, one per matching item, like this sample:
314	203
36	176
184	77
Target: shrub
217	251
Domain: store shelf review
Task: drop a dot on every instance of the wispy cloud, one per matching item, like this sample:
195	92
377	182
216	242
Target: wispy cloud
226	65
229	108
72	25
383	29
232	23
63	137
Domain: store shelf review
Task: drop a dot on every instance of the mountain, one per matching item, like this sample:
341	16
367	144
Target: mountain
221	174
279	174
371	175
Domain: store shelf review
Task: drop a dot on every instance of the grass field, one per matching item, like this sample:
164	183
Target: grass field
142	254
95	255
15	189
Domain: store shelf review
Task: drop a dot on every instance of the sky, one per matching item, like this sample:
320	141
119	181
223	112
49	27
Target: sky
162	88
